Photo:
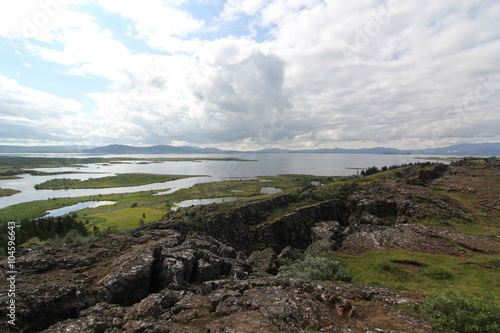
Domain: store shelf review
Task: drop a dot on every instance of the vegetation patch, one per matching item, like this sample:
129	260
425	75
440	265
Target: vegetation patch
119	180
55	230
123	219
316	268
37	208
5	192
452	311
437	273
390	269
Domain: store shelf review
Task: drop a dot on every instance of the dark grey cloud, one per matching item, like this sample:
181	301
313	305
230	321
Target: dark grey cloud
235	101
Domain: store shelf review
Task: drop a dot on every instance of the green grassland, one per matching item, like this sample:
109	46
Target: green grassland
124	219
5	192
119	180
37	208
424	272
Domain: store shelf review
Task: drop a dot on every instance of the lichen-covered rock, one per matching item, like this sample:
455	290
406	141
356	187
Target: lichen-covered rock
413	237
325	236
264	261
288	253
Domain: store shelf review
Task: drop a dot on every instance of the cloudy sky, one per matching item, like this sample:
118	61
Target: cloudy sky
249	74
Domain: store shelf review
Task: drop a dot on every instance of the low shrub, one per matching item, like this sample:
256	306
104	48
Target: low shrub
33	241
452	311
316	268
74	237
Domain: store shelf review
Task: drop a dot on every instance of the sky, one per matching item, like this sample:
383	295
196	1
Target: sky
250	74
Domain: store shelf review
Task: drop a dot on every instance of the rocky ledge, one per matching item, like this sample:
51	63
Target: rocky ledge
170	281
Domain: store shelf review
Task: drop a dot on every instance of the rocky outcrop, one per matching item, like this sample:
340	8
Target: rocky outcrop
264	304
164	280
325	236
372	207
81	276
264	261
412	237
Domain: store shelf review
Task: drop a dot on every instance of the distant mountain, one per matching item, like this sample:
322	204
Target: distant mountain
158	149
466	149
41	149
377	150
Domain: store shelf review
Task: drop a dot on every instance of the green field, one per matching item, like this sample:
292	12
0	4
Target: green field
119	180
417	271
124	219
37	208
5	192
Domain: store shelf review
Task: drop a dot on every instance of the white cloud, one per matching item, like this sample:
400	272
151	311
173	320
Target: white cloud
27	113
158	23
402	80
88	50
334	72
40	20
234	8
228	91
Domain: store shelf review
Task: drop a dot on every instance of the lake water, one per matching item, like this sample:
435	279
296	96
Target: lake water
265	165
81	205
269	190
195	202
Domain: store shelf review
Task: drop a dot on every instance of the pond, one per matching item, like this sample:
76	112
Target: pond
195	202
270	190
81	205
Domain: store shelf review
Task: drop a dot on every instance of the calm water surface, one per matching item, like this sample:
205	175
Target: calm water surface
81	205
195	202
266	165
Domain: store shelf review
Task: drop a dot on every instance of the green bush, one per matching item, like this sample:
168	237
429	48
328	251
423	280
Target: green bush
33	241
316	268
74	237
452	311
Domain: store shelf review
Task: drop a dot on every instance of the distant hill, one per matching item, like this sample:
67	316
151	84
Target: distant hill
158	149
466	149
42	149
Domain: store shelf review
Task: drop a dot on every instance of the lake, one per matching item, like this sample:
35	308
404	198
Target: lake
195	202
81	205
265	165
